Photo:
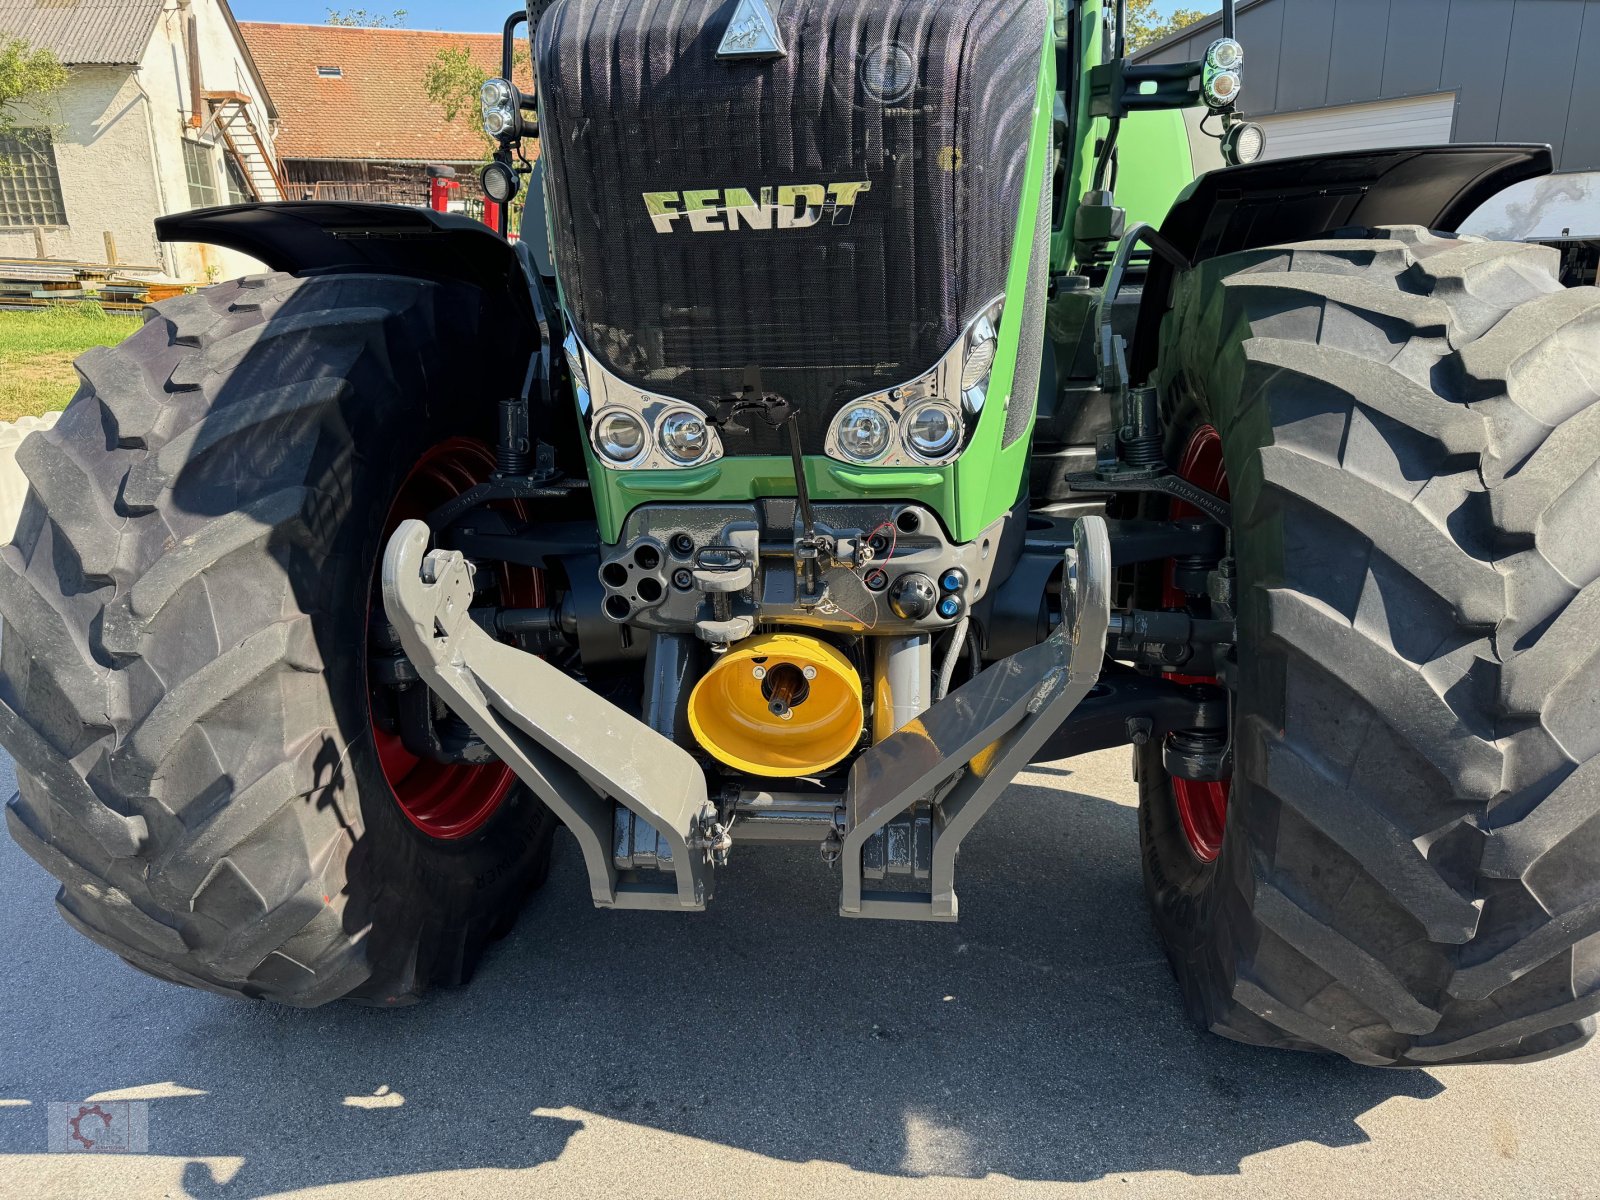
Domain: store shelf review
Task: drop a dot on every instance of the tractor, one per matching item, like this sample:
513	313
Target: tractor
873	401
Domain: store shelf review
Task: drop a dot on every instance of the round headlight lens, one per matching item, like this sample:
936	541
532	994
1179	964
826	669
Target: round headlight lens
683	436
495	93
1222	88
496	121
933	430
620	436
1225	54
863	432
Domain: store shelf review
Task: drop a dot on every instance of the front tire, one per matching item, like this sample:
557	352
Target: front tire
1410	873
183	668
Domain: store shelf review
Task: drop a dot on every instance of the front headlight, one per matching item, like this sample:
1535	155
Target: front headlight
502	104
620	437
1222	78
683	437
1225	54
863	432
931	431
630	429
1222	88
926	421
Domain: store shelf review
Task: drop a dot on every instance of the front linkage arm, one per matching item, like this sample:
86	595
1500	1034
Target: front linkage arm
577	751
582	755
965	750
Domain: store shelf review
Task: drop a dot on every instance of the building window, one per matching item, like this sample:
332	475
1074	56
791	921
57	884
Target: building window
30	185
239	191
202	175
330	72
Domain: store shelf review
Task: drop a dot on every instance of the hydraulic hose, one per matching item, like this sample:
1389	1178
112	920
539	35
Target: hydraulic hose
947	669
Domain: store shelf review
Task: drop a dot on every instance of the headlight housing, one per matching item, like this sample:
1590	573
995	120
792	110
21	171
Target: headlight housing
502	109
927	421
631	429
1222	78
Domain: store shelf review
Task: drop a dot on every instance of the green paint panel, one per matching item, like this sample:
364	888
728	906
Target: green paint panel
1154	160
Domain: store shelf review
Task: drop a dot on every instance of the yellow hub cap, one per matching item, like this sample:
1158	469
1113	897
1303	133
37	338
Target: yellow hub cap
782	704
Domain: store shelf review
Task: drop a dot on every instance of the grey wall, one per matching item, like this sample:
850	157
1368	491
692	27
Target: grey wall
1523	70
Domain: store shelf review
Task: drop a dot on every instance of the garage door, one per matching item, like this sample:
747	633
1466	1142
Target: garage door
1414	121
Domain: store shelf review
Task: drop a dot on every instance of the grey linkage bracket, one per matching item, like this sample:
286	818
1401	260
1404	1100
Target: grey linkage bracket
965	750
576	751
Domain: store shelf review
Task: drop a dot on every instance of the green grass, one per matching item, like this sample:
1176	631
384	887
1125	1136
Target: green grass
37	347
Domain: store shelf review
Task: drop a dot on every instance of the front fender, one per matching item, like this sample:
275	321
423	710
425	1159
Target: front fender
318	236
1297	199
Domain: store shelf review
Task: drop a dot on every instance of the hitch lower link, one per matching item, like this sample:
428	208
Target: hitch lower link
929	781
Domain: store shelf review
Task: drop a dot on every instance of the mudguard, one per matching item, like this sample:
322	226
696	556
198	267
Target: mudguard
1297	199
318	236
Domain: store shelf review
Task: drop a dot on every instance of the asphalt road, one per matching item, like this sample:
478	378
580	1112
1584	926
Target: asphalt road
766	1048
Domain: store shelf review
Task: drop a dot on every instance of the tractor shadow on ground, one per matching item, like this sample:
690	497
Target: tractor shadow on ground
1041	1037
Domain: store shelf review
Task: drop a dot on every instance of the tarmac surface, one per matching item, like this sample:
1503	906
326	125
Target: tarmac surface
765	1048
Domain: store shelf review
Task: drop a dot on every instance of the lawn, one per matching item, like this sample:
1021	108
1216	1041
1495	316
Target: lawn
37	347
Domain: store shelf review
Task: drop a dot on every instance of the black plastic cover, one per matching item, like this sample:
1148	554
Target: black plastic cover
634	100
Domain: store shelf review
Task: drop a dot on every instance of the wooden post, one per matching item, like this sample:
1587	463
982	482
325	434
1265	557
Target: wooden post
111	249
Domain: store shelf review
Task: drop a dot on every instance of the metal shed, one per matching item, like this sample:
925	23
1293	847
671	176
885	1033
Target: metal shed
1325	75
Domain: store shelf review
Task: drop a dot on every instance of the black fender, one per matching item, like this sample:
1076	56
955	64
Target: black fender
319	236
1298	199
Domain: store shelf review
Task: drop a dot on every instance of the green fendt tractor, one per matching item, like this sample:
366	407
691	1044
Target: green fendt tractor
874	403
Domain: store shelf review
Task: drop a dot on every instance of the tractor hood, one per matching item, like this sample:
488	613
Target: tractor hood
810	197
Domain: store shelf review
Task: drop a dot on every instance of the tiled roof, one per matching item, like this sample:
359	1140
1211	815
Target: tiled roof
375	108
82	31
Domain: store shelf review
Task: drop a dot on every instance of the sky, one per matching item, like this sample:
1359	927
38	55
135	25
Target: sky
467	16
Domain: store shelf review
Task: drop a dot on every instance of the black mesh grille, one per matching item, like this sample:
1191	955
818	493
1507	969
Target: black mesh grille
634	100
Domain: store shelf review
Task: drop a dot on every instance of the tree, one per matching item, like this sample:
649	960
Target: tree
27	75
453	80
369	20
1146	27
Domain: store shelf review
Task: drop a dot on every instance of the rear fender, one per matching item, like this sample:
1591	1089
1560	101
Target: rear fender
1297	199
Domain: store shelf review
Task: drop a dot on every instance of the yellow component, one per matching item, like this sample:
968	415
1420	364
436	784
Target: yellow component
739	716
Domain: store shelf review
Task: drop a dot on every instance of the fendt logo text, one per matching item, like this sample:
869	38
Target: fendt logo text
726	210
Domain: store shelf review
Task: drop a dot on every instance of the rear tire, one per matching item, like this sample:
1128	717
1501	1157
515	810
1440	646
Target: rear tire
183	667
1410	874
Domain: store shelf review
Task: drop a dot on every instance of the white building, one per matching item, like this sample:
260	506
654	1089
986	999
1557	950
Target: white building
164	111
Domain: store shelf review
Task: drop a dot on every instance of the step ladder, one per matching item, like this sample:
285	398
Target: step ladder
230	116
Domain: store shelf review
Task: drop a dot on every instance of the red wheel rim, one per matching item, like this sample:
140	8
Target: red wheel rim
1202	805
447	800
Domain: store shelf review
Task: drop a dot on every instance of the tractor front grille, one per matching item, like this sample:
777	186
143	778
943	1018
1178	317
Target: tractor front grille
634	101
